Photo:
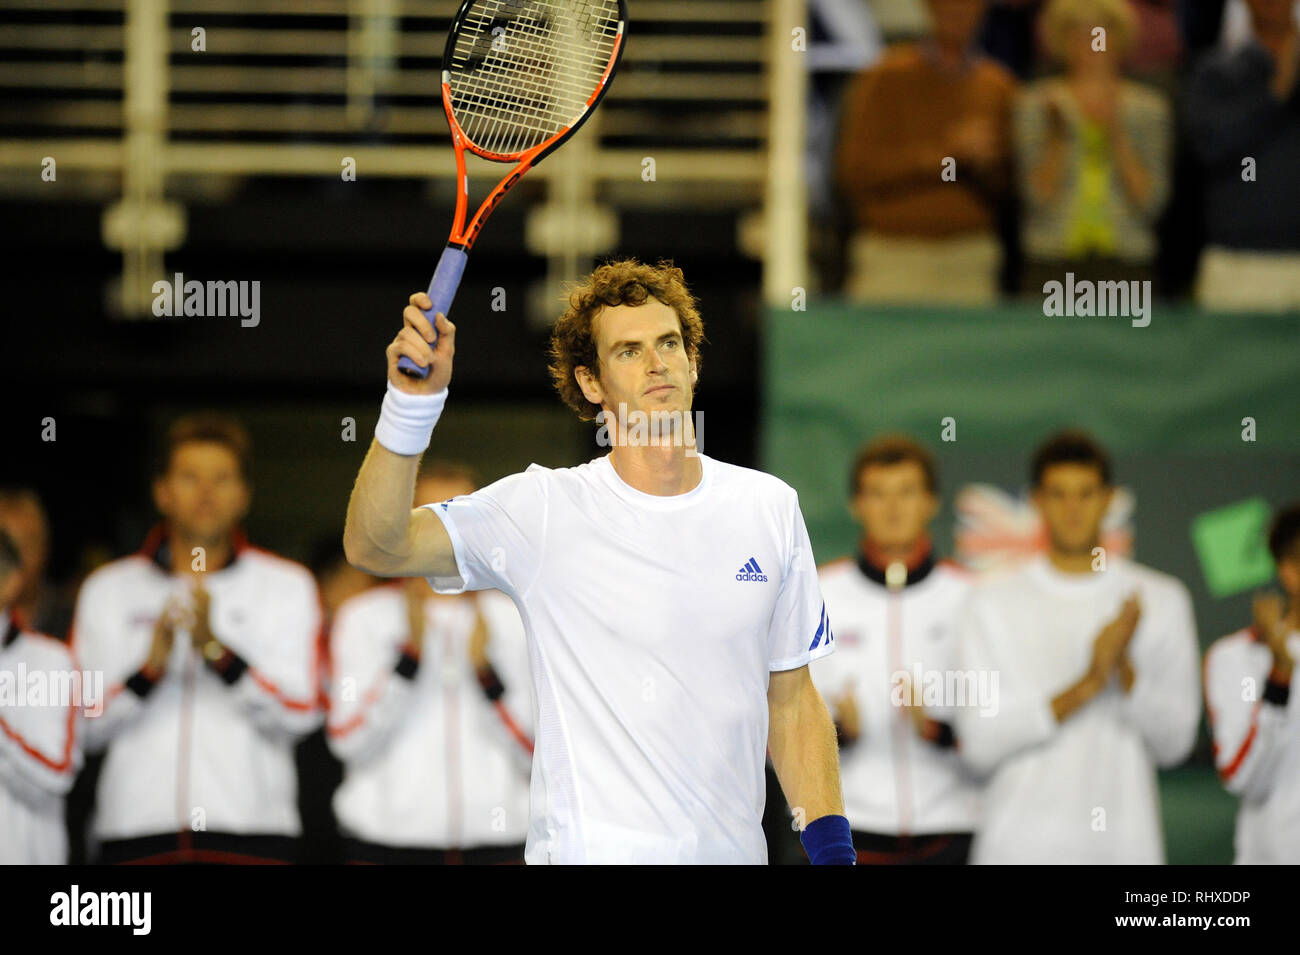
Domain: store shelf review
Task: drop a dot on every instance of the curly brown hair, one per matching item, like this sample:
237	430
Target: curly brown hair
621	282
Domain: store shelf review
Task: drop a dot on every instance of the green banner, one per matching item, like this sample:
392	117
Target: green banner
1200	411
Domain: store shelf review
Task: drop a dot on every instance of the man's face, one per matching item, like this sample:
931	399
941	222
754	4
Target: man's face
1072	500
955	21
893	504
202	494
642	360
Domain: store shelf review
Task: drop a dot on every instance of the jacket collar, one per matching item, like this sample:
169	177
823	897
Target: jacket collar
157	547
916	565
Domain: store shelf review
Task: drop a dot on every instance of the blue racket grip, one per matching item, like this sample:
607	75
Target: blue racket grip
442	292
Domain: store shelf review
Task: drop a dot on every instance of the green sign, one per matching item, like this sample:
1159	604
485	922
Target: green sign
1230	543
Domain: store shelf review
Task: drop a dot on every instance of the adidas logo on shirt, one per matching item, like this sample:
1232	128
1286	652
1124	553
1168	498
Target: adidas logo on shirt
751	571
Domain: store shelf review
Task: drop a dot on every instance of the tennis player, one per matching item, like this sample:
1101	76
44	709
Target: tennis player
670	600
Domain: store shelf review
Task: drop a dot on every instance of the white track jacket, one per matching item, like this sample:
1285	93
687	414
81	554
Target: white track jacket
1256	728
430	762
40	750
199	750
896	783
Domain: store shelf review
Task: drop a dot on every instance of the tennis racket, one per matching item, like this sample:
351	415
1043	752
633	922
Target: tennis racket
518	79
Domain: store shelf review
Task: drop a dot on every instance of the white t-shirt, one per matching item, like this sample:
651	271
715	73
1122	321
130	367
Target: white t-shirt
653	623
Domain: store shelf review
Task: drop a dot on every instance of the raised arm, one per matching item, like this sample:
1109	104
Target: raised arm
383	534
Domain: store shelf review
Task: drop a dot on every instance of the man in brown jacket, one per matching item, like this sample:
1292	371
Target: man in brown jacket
923	159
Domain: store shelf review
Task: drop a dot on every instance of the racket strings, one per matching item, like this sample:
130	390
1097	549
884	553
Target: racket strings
534	46
524	104
523	70
512	102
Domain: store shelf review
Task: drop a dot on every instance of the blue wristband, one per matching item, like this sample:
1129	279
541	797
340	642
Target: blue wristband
828	841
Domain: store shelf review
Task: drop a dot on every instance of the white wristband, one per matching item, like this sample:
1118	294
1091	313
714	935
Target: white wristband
406	421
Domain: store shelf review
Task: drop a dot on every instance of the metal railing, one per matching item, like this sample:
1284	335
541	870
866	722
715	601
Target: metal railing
154	89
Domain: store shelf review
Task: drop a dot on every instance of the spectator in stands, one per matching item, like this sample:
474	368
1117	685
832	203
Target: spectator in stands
209	652
1242	109
1093	153
1013	36
924	160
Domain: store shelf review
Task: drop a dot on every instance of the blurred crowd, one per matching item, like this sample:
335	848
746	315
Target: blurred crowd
985	147
183	689
214	702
